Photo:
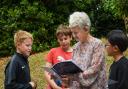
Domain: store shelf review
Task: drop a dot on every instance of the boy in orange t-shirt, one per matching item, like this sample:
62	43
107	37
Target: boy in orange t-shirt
59	54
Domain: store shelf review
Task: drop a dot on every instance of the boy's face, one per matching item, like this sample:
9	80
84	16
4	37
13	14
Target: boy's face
108	48
64	41
25	47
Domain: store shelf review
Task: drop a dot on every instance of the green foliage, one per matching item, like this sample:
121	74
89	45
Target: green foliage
32	17
41	18
117	7
102	19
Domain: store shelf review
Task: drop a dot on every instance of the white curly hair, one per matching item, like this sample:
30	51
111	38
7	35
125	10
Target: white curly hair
80	19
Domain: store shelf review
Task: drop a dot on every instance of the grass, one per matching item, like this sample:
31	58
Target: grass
36	62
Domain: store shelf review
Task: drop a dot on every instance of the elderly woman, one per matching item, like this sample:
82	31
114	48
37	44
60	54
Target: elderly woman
88	53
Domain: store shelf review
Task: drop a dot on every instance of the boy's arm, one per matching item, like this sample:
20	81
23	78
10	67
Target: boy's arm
90	75
48	78
10	78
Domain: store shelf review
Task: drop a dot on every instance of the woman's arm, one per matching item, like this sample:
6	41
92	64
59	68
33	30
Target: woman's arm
90	75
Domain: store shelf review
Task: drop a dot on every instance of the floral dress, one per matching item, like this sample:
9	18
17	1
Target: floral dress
89	56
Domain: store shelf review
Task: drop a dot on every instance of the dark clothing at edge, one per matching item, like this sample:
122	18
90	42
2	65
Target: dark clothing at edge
118	78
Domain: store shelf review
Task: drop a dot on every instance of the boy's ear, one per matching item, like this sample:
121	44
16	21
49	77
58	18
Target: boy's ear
18	43
86	28
116	48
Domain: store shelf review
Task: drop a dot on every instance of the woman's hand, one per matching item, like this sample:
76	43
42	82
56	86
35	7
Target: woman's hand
66	81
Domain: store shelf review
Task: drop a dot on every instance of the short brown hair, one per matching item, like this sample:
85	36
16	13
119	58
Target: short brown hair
20	36
63	30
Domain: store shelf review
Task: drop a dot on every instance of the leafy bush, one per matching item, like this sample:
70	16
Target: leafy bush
42	17
32	17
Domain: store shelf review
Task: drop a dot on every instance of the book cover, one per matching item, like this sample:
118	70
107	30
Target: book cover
63	68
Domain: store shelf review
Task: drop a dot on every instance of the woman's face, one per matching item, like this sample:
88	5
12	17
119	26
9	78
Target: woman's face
79	34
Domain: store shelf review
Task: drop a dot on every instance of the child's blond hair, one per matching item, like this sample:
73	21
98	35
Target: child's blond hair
20	36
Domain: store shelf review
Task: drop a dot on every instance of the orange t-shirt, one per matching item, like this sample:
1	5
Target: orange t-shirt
58	55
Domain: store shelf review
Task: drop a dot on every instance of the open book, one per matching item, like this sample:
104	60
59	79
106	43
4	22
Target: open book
63	68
